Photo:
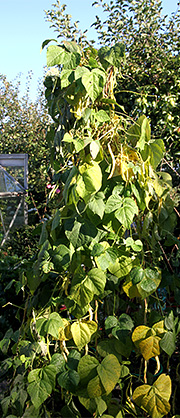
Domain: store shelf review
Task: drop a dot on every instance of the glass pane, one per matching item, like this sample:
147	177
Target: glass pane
8	184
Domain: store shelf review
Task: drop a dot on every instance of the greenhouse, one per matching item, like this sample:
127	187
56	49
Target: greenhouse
13	192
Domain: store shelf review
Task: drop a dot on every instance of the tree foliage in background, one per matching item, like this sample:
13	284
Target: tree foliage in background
23	127
99	324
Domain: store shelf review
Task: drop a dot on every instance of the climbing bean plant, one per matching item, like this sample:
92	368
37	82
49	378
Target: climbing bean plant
96	337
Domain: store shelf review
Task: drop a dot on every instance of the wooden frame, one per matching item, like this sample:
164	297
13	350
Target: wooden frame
16	160
19	190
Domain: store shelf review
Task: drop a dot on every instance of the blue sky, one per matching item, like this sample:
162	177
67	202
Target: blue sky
23	29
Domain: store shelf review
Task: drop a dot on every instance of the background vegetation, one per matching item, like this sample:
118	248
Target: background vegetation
23	126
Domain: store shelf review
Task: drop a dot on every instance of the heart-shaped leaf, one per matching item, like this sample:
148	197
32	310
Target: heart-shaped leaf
56	55
108	346
95	388
109	372
68	380
93	82
127	211
87	368
102	116
142	283
83	290
113	203
41	384
147	341
82	332
168	343
154	399
155	151
121	267
97	205
52	325
89	180
58	361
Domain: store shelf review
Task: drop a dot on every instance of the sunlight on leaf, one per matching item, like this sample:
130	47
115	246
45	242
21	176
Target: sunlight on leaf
154	399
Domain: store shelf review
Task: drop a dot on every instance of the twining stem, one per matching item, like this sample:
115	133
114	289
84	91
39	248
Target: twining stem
158	365
90	314
166	259
48	352
64	350
96	311
114	303
140	369
96	319
145	371
113	162
145	321
160	307
129	388
145	310
12	304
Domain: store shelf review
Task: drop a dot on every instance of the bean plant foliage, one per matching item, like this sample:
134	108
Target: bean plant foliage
93	323
150	82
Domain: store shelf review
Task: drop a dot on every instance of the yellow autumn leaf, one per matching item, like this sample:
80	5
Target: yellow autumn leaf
65	332
150	347
147	341
131	290
159	329
82	332
154	399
